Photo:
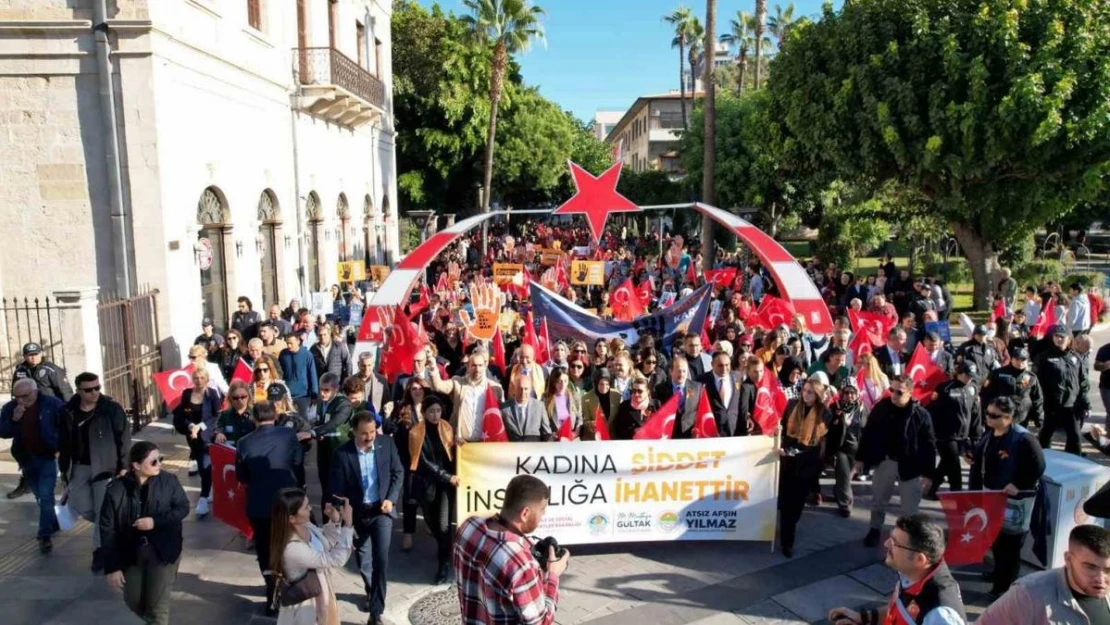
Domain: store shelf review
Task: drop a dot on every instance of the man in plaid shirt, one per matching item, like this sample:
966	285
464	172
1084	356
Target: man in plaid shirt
499	581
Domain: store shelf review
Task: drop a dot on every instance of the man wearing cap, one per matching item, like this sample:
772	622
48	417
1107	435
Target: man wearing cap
980	351
208	336
958	425
1058	372
266	460
51	381
1017	382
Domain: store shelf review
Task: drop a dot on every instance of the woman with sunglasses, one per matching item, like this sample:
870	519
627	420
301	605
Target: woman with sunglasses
140	533
633	412
278	395
266	372
576	372
227	357
195	417
805	424
237	421
198	358
650	366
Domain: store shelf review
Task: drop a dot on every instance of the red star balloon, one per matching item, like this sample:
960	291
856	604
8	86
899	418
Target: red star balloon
596	197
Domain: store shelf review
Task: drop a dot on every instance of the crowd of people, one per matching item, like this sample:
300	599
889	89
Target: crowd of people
386	447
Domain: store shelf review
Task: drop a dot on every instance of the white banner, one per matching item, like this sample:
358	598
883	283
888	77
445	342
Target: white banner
632	491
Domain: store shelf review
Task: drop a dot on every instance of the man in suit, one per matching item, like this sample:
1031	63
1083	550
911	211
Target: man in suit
524	415
335	412
368	472
940	356
723	386
689	393
265	462
892	357
699	362
376	389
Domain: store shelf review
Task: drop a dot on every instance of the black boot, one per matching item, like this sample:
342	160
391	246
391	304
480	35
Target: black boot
97	561
20	490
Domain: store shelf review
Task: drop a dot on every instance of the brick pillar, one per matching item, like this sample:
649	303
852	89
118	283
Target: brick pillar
80	328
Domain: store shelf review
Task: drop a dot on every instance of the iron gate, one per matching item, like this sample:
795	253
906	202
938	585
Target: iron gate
27	320
131	352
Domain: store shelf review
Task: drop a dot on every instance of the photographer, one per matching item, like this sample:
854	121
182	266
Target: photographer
500	579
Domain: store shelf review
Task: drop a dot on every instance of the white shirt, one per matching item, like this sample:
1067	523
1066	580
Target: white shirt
1079	313
725	387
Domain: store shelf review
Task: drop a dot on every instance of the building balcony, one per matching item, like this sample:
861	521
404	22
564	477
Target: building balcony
333	87
664	134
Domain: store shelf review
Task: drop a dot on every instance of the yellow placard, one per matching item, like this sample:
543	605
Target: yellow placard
379	273
550	256
352	271
590	272
503	272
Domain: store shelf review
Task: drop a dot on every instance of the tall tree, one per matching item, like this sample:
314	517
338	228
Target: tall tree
992	111
506	27
680	20
708	226
780	23
693	53
760	21
741	36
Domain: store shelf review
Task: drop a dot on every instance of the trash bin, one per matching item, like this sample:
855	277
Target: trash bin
1069	481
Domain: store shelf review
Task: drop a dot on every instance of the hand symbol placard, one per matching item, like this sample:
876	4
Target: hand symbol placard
486	300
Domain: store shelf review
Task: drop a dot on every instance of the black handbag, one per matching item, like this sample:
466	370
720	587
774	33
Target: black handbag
288	593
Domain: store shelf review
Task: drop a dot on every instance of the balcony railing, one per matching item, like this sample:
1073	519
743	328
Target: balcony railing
330	67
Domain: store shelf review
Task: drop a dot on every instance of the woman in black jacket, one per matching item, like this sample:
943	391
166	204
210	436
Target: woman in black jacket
804	426
228	356
140	533
633	412
434	480
406	414
195	417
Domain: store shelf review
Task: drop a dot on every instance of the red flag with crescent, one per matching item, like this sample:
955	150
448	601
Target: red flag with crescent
402	343
493	426
770	402
773	312
974	520
721	278
706	425
566	430
497	353
242	372
171	384
539	342
600	426
661	424
999	309
229	497
875	325
1045	321
625	302
926	375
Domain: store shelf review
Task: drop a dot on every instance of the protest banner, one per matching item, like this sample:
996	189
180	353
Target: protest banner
352	271
591	272
632	491
550	256
503	273
379	273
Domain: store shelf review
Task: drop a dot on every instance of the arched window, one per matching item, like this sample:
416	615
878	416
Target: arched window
213	216
268	222
315	229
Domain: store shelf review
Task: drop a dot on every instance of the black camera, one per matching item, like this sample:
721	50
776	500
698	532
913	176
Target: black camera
540	547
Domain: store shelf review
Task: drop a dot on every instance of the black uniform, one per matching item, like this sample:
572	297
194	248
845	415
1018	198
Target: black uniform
1082	399
50	378
957	421
1022	387
982	354
1058	373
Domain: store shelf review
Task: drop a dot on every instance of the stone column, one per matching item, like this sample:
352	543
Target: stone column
80	327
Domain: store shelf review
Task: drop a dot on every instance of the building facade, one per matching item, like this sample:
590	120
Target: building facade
604	122
208	148
649	132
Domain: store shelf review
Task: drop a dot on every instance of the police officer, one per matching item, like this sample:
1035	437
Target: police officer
1017	382
979	351
52	382
1058	372
956	420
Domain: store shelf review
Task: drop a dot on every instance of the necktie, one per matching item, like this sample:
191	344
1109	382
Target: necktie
722	390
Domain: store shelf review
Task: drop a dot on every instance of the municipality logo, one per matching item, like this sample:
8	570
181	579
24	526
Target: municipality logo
597	524
667	522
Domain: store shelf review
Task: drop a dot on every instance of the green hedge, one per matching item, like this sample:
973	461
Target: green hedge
1037	272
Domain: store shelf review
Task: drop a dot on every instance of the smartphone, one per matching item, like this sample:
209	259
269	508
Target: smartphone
337	502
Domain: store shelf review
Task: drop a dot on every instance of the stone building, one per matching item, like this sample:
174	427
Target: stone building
206	148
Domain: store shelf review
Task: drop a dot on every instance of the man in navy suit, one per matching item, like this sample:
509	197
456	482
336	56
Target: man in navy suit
689	395
722	384
264	462
368	472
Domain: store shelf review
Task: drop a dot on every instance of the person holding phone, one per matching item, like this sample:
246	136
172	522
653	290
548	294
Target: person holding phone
434	481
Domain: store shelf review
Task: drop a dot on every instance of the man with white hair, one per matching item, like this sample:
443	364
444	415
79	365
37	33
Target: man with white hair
33	423
529	367
468	395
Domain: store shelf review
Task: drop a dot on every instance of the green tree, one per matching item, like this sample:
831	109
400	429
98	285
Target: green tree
741	36
993	111
680	20
506	27
758	30
780	24
694	45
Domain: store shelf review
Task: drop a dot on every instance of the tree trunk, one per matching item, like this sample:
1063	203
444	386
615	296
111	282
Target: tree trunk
760	18
743	68
982	257
708	226
682	83
497	71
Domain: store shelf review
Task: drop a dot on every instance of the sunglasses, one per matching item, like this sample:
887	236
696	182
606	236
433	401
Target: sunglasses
238	397
193	357
650	362
263	369
638	391
155	461
90	389
576	367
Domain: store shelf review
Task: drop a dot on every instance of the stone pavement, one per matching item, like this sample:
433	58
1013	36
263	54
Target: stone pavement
626	584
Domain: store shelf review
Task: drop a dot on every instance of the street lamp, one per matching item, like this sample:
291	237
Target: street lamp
423	219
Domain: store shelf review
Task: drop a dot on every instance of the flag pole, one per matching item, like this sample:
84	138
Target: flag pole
778	466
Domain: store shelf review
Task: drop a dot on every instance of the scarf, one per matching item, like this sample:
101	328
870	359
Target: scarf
806	426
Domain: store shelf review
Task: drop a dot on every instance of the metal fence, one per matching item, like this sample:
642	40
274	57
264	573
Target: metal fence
28	320
132	355
328	66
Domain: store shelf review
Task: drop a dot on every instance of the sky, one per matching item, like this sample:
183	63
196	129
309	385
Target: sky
603	54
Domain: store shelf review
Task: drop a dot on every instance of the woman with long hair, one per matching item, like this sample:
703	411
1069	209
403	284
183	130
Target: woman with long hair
195	417
875	382
805	424
228	356
266	372
238	420
434	481
561	402
140	533
406	414
198	357
299	549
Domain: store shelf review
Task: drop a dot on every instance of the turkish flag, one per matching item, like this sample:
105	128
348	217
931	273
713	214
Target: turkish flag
999	309
691	274
441	283
493	426
875	325
661	424
497	352
373	324
645	293
1045	321
773	312
562	276
705	426
706	344
229	497
926	375
171	384
543	354
625	302
242	372
770	402
863	342
974	521
566	430
600	426
721	278
402	343
421	304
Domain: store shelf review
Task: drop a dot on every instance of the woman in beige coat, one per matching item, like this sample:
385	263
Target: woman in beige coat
298	547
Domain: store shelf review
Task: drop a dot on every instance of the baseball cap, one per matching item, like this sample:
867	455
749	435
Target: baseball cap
274	392
1020	353
967	368
603	374
981	329
1059	330
30	349
207	321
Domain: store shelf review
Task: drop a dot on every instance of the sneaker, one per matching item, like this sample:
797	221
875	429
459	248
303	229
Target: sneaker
46	545
193	470
97	561
872	538
202	507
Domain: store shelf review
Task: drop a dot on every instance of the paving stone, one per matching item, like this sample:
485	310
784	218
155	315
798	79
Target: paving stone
768	612
813	601
879	577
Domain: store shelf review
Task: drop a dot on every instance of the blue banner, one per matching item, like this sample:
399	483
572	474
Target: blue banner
566	320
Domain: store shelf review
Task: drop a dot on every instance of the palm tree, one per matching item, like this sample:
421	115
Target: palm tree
781	23
740	35
508	27
760	20
709	156
693	51
680	19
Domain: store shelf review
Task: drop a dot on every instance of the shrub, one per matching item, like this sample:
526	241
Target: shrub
1037	272
1086	280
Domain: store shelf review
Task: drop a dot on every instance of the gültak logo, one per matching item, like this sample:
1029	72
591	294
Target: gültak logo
667	522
